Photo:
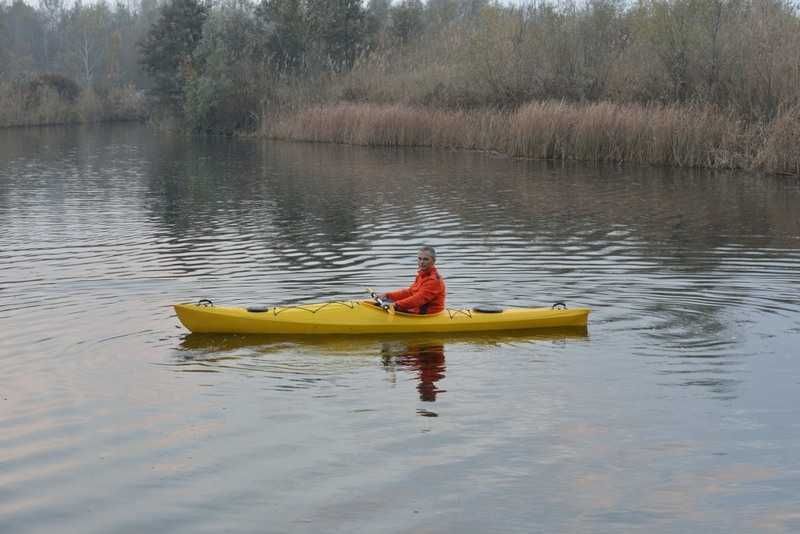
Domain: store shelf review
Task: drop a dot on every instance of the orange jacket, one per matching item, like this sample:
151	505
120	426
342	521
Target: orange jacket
425	296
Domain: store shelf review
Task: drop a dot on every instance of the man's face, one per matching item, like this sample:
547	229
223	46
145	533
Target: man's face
424	260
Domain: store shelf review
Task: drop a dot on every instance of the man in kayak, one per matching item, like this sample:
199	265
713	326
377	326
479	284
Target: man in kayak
426	295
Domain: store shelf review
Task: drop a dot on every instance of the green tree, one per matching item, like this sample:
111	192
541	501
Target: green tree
338	31
24	39
167	50
377	20
285	23
225	93
601	37
408	21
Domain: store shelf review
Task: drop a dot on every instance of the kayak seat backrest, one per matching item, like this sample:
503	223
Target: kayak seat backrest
487	309
258	309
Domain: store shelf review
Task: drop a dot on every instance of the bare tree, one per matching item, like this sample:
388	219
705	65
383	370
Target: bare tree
88	41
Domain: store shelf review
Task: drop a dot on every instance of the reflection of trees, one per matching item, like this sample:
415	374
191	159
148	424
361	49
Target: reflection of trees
89	170
658	205
251	190
309	200
307	197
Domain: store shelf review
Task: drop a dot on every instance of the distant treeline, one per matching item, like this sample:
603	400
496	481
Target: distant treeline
237	65
61	64
93	44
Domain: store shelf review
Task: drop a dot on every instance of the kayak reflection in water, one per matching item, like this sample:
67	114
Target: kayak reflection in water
426	361
427	294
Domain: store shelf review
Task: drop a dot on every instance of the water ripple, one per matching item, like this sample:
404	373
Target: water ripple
107	401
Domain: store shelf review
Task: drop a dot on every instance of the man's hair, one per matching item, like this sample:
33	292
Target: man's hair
429	249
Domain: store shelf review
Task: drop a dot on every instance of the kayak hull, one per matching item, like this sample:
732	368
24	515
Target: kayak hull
363	317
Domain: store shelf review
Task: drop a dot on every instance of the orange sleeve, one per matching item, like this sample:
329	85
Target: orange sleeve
399	294
428	290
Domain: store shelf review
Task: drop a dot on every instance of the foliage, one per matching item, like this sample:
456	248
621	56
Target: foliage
66	88
780	152
51	99
167	51
407	21
337	33
284	23
21	32
87	43
222	94
92	43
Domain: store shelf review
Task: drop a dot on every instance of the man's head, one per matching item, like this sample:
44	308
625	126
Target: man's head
426	258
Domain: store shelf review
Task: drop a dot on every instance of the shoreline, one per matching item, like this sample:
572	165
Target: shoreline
675	136
658	135
73	123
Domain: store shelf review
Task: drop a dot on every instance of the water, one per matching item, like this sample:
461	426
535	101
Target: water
675	411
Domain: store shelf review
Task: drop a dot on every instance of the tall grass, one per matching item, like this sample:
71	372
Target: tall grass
391	125
780	152
44	106
688	136
673	135
22	106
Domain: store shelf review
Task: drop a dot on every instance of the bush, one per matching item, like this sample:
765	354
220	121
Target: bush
66	88
781	149
682	136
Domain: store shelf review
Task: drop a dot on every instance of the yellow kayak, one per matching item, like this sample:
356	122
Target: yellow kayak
365	317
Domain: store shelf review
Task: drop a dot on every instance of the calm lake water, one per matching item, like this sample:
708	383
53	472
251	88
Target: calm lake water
676	411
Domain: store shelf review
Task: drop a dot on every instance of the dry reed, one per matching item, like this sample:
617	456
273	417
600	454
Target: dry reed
21	106
780	152
681	136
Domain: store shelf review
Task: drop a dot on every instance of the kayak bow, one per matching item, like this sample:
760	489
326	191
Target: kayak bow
365	317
